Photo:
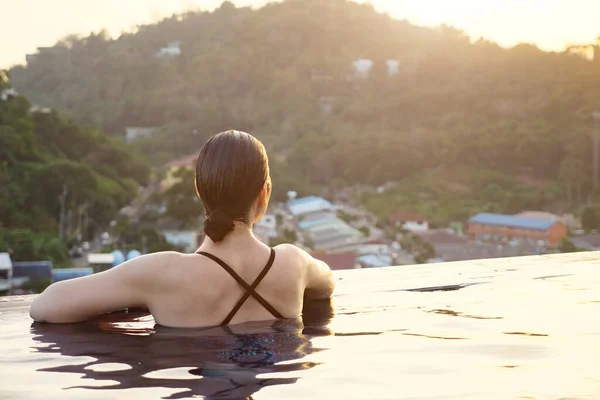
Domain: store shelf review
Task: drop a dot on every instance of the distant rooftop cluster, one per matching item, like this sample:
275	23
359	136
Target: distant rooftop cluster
317	219
363	67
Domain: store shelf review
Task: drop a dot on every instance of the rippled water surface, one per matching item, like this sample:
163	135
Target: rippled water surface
525	328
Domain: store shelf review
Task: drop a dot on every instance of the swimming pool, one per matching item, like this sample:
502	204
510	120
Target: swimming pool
521	328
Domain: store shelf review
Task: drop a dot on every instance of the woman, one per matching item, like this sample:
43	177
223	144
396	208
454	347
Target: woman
233	278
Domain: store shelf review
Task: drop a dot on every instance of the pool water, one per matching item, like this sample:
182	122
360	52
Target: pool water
522	328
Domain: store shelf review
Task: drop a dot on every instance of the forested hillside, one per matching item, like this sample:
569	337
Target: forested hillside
502	128
57	179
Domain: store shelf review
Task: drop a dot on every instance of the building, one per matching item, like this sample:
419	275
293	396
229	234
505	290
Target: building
590	241
188	239
330	233
7	94
310	207
320	226
326	104
410	221
31	272
504	228
568	219
100	261
338	261
373	248
136	132
362	68
39	109
375	261
446	244
6	272
266	228
393	67
173	166
171	50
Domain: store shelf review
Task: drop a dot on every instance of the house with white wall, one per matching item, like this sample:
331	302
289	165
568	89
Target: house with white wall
266	228
410	221
188	239
393	67
362	68
171	50
7	94
136	132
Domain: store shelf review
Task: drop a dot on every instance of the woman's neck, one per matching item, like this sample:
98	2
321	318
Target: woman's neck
241	235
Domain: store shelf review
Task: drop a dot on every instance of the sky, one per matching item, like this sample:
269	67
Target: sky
550	24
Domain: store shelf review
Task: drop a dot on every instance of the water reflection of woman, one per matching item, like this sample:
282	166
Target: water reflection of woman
226	359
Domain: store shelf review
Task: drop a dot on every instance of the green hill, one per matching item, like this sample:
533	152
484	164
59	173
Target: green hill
520	113
57	179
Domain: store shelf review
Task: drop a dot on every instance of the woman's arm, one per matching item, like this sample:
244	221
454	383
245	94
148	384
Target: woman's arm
319	282
130	284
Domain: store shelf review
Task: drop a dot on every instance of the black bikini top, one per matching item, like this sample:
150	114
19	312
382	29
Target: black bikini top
250	289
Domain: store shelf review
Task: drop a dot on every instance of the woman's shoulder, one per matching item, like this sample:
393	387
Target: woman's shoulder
287	248
159	262
291	252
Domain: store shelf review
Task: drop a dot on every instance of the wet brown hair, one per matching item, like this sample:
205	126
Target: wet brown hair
231	170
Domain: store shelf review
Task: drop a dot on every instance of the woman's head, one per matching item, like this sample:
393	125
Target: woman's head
232	180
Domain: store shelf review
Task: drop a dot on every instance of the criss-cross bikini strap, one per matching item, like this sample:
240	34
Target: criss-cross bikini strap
250	289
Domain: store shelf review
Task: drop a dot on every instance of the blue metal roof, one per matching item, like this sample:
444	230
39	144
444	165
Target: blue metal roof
512	221
309	204
32	269
63	274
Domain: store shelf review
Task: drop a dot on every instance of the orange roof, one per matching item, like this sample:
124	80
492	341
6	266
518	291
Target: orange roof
402	216
188	161
337	261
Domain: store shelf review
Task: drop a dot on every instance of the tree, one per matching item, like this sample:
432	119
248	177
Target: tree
3	80
365	231
589	219
56	177
346	217
566	246
278	219
181	199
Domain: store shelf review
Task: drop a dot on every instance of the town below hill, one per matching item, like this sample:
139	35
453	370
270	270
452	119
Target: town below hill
167	215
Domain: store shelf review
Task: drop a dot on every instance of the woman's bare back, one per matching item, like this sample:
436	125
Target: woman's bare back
200	292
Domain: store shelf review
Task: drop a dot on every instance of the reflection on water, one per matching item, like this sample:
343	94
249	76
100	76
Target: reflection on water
216	363
512	336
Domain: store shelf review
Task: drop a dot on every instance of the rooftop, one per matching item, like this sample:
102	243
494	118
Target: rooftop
309	204
512	221
441	236
333	230
486	329
405	216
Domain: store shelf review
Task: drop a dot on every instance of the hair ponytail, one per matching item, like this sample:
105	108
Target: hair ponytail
217	225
